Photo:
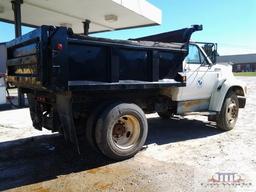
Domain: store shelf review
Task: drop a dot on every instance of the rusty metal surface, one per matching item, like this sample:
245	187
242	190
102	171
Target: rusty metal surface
25	81
193	105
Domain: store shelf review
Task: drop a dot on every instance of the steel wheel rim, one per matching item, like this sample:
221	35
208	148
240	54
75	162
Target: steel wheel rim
232	112
126	132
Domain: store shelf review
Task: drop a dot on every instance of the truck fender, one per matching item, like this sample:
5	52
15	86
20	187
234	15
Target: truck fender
221	90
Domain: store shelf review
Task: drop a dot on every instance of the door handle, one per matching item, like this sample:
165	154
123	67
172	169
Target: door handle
187	69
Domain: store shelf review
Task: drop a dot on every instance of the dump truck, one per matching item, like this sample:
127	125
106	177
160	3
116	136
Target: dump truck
101	89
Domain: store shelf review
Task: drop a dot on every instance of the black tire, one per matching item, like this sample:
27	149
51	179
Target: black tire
32	108
228	115
121	131
165	114
91	124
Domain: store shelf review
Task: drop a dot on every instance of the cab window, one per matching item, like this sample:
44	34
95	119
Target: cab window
195	56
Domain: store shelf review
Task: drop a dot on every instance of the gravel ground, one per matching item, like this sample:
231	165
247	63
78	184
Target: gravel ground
182	154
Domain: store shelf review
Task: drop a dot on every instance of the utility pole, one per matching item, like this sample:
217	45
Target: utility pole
16	7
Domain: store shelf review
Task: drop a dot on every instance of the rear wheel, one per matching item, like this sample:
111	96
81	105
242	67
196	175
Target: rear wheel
121	131
228	115
91	123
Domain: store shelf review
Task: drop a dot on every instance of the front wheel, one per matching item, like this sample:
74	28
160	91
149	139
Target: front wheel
121	131
228	115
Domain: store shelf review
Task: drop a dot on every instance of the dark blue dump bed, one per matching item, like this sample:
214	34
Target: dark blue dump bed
52	58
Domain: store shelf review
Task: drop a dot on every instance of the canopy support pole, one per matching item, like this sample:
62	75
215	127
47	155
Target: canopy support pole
16	7
86	26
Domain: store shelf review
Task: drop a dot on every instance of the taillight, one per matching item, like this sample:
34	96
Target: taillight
59	46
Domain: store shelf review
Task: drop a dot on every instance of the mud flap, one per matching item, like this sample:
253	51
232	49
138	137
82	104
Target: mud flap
64	108
35	113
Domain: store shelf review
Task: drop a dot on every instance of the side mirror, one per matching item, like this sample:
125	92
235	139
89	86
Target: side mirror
211	51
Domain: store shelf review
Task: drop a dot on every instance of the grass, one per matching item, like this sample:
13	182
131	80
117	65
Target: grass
245	74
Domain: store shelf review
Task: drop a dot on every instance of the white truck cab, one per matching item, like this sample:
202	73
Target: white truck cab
211	89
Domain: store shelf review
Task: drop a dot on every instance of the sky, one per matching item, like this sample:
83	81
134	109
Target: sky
230	23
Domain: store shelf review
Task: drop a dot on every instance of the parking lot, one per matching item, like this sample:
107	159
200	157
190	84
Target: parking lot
181	154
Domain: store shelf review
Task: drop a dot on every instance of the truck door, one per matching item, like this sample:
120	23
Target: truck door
201	77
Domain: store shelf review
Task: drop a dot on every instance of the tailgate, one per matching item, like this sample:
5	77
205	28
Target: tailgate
25	57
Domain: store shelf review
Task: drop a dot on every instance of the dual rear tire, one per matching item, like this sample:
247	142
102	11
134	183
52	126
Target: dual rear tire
117	130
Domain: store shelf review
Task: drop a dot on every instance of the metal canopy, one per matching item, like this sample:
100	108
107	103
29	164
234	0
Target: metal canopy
105	15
